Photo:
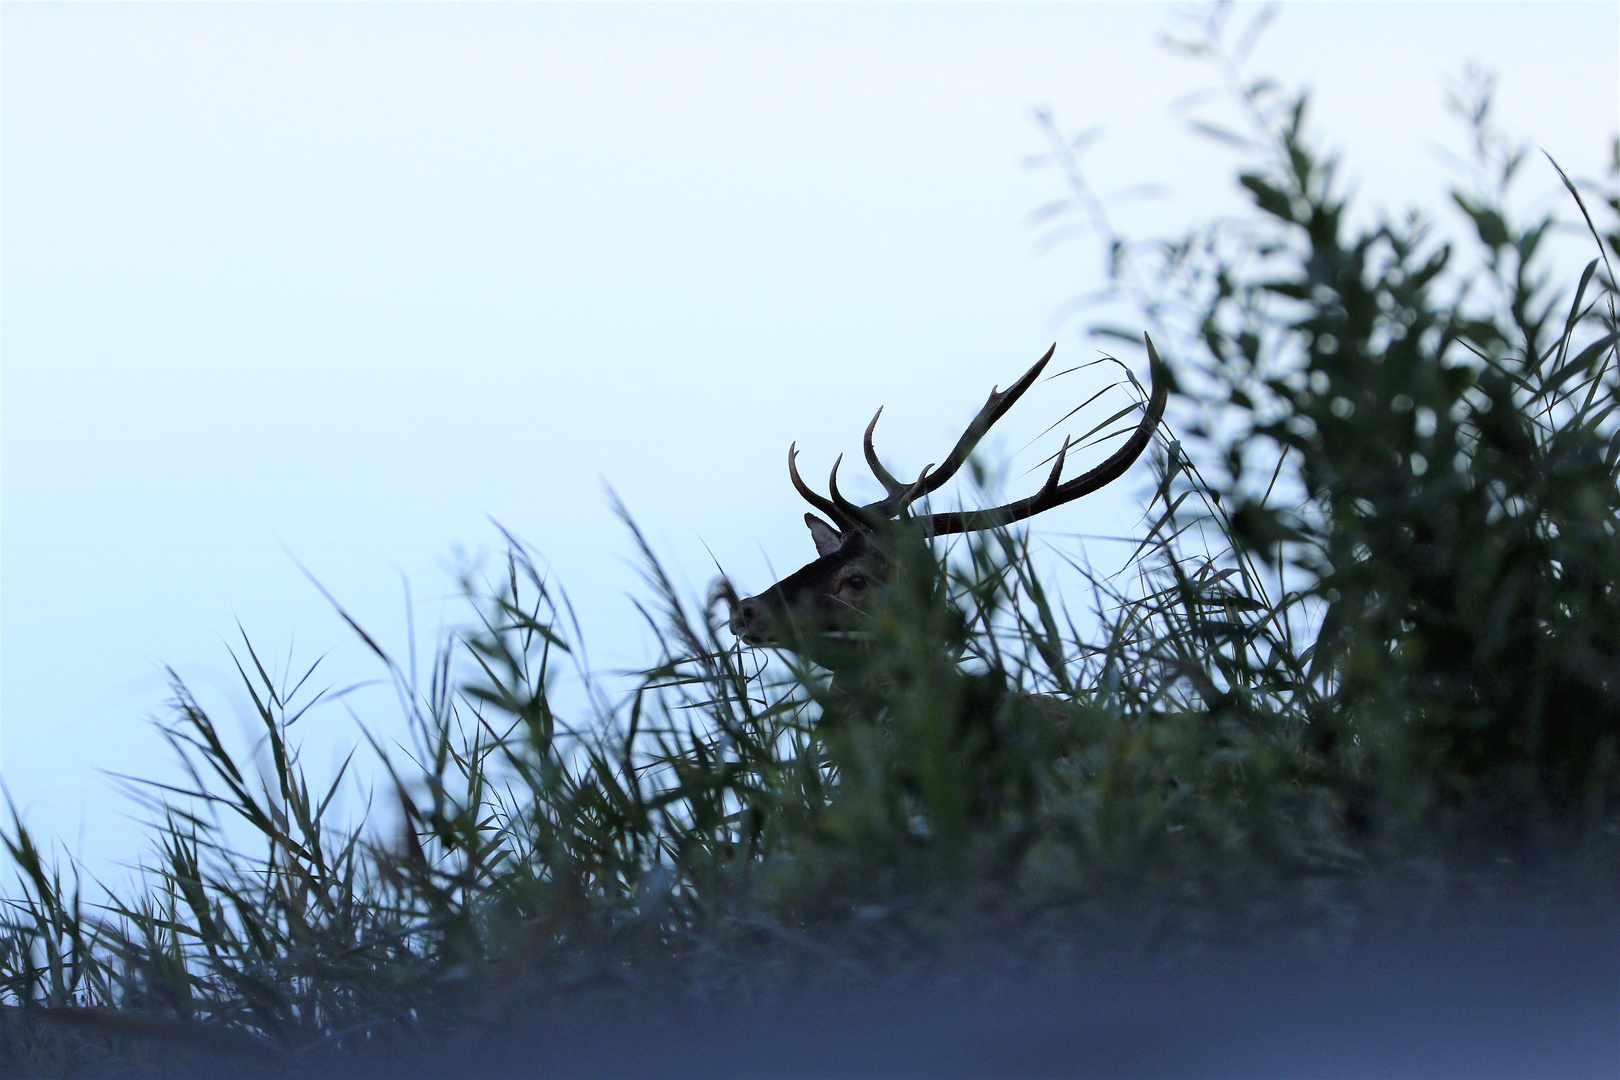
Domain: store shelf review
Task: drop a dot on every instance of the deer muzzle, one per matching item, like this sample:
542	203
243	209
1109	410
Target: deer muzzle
749	619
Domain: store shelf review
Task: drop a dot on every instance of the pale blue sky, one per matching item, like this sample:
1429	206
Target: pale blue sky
343	281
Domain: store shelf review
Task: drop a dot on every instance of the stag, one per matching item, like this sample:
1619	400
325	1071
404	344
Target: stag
833	594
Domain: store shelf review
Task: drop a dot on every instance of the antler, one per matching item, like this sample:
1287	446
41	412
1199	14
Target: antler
1053	493
900	496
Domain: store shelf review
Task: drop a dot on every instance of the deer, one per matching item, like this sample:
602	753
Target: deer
834	594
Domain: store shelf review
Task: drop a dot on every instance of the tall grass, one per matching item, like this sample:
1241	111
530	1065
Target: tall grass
1372	611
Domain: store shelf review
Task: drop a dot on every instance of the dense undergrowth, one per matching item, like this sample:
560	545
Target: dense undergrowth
1372	617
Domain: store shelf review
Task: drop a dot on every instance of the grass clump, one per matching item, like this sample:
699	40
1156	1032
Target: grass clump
1372	614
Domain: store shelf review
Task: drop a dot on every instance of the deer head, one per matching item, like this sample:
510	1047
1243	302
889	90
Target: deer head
833	593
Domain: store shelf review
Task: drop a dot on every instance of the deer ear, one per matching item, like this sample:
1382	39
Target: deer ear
827	538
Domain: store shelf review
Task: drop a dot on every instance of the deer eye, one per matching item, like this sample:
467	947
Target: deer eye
856	582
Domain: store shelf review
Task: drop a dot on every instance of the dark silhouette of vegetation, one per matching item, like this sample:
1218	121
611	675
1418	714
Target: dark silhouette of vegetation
1373	614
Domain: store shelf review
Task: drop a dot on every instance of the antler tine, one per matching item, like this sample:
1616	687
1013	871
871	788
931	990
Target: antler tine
994	409
1051	484
861	514
886	478
900	496
1052	492
827	507
914	492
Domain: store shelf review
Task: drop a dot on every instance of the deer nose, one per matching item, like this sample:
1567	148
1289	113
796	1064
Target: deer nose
748	621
